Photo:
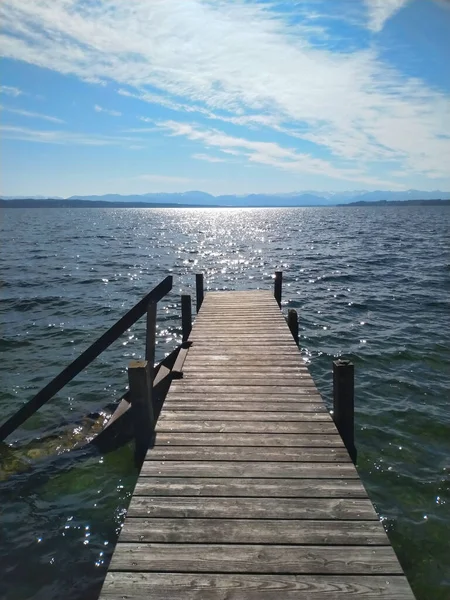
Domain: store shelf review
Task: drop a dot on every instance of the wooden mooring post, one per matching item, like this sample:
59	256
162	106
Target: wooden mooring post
292	321
344	403
199	289
141	407
186	316
278	286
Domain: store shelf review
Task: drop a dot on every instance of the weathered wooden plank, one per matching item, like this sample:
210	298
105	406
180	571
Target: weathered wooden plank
249	342
273	390
232	558
244	406
256	351
223	298
241	302
253	531
271	329
273	470
255	440
242	335
244	320
245	337
202	363
247	453
253	353
240	378
253	508
254	377
223	415
236	314
254	487
264	325
209	426
298	396
196	586
243	381
244	324
225	295
240	308
236	321
252	309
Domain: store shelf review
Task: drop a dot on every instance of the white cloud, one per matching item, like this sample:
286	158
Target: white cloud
10	90
266	153
65	137
95	80
243	63
208	158
153	98
111	113
32	115
380	11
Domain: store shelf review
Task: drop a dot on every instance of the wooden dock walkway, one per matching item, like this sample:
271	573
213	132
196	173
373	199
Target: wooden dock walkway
249	492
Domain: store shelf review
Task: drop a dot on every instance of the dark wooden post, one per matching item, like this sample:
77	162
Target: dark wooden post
292	321
199	289
277	286
186	316
344	403
150	337
141	407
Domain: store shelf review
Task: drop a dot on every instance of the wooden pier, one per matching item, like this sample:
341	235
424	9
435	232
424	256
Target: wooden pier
249	492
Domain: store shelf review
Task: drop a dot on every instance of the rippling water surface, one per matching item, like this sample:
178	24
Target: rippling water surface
372	284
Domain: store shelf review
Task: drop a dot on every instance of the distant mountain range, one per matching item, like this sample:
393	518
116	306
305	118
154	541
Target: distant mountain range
198	198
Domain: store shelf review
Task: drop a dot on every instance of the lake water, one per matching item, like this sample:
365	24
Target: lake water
371	284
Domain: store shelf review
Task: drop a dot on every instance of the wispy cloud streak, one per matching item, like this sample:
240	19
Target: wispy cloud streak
266	153
31	114
64	137
111	113
208	158
10	90
380	11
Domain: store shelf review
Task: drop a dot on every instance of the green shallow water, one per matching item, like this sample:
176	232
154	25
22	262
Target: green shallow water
372	284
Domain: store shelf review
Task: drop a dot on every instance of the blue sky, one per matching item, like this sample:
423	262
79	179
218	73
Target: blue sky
224	96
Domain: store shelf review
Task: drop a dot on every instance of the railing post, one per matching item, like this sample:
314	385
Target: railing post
199	289
186	316
292	321
344	403
150	337
278	286
141	407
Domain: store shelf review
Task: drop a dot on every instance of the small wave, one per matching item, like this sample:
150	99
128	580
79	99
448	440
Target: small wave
11	343
31	304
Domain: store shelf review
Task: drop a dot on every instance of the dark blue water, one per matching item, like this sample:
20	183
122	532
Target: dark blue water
372	284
